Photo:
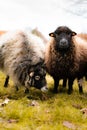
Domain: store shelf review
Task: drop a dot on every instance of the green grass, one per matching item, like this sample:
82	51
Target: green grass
50	110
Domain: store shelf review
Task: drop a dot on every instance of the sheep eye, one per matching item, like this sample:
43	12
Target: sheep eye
37	77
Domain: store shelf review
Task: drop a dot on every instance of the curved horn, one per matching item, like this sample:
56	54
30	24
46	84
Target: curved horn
31	74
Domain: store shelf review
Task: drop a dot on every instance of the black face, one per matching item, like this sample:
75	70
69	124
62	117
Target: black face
63	36
36	78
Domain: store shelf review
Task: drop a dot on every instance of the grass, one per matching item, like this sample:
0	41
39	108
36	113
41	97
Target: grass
42	111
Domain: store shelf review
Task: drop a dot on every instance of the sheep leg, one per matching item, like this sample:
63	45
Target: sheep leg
16	87
56	83
64	83
86	76
80	83
26	90
70	83
6	81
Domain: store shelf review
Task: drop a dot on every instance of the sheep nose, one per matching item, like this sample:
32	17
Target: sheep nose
44	89
63	42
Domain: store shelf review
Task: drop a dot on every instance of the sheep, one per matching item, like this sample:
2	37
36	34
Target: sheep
22	59
66	57
82	36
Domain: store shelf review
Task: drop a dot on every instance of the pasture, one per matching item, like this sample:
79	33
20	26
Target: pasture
42	111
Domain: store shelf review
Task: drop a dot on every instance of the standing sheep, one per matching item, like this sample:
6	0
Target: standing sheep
66	57
22	59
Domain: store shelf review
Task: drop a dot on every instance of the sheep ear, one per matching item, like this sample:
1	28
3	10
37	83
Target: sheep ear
52	34
74	33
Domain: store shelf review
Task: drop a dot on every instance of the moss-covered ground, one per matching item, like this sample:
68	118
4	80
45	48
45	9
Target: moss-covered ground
42	111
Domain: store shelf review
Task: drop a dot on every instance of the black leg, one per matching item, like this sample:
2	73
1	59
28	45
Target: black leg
70	84
86	76
80	89
56	83
64	83
6	81
16	87
26	90
80	82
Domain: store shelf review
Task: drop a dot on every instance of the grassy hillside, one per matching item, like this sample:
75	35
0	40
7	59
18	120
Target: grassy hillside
42	111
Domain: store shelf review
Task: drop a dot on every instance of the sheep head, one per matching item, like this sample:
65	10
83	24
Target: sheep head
62	37
36	77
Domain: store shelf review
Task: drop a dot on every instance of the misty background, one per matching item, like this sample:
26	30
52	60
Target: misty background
46	15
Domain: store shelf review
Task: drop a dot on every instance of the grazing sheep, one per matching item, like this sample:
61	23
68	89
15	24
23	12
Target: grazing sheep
66	57
22	59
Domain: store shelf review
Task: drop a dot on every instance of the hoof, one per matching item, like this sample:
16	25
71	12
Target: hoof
16	88
26	90
55	91
70	92
81	90
5	85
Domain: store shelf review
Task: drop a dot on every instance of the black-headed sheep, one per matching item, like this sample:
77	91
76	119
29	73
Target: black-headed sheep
66	57
22	59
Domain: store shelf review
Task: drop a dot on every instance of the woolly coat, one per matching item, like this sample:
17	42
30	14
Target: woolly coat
72	64
19	51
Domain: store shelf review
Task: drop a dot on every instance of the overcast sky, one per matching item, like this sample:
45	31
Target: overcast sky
46	15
